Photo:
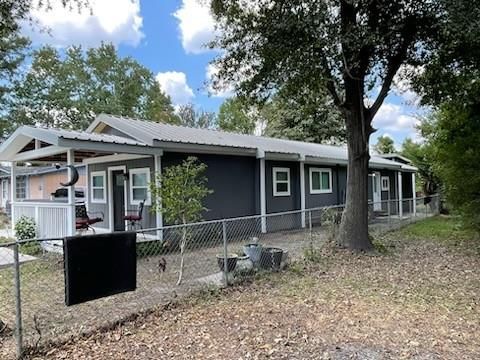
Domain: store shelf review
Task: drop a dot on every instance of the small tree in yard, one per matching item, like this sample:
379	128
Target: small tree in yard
178	193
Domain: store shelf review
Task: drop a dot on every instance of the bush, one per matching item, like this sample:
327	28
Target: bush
25	228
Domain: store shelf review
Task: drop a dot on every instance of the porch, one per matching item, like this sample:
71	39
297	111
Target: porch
56	218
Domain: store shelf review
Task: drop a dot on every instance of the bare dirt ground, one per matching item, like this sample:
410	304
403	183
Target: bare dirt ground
416	298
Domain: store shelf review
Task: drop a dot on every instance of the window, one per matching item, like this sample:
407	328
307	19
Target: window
320	181
139	180
98	186
5	189
385	183
281	181
21	187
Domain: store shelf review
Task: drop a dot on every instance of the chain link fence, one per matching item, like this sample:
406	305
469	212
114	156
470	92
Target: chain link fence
171	261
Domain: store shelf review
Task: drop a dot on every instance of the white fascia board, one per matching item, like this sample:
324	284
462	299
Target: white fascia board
109	147
39	153
115	157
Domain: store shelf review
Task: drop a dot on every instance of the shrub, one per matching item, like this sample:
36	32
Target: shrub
26	229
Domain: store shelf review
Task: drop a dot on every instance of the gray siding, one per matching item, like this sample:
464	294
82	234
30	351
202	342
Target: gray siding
233	180
282	203
148	217
317	200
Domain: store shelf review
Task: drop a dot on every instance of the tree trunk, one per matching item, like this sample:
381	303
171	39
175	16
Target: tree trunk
353	232
183	243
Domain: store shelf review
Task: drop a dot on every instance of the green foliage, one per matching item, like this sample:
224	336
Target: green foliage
69	91
190	116
312	255
180	190
308	116
454	134
179	193
234	116
385	145
421	155
25	228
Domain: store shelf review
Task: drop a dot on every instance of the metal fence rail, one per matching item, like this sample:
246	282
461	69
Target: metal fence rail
183	258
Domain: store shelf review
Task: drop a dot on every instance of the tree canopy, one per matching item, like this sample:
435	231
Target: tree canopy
68	91
235	115
190	115
346	48
385	145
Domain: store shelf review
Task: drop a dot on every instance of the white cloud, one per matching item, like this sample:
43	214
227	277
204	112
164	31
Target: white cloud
391	117
116	21
221	90
196	24
402	85
174	83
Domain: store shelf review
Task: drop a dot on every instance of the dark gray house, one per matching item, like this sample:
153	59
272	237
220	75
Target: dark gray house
249	175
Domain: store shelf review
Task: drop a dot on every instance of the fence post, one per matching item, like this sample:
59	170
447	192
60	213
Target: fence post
225	252
310	226
18	303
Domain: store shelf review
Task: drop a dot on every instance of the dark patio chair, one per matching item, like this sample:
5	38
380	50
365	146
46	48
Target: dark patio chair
84	220
134	217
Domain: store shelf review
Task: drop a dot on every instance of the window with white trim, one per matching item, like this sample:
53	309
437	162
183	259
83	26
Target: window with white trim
98	186
139	180
281	181
320	181
385	183
21	185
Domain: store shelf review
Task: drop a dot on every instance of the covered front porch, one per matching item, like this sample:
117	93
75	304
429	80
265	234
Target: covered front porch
56	218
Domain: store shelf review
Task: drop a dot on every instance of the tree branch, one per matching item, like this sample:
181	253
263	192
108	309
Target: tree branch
394	63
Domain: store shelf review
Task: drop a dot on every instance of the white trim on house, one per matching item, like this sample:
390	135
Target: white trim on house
110	169
115	157
94	200
321	190
275	181
146	171
302	191
385	181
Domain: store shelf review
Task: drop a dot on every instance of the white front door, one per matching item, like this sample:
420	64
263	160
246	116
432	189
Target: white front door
377	194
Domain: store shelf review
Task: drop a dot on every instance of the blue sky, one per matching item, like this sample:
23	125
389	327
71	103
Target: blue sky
167	37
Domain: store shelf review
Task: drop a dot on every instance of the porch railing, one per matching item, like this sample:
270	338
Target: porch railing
52	218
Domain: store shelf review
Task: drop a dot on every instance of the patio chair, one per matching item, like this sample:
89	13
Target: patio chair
134	217
84	220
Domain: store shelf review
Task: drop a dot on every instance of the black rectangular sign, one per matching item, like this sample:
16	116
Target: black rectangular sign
97	266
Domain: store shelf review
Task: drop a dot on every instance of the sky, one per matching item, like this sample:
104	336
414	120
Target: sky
168	37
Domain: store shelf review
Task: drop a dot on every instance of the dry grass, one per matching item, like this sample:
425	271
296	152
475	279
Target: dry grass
416	300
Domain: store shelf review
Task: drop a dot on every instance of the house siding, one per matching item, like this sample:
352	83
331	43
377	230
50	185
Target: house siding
233	180
148	220
318	200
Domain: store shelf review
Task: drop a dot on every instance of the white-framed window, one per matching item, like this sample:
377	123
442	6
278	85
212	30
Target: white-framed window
385	183
281	181
21	184
98	186
5	189
320	181
139	180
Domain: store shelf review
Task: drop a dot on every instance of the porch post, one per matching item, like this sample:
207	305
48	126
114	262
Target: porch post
414	195
302	189
13	191
158	214
263	203
71	195
400	195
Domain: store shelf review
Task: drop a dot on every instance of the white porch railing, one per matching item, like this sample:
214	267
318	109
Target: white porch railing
52	218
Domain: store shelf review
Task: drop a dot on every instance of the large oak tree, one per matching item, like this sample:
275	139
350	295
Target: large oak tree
348	47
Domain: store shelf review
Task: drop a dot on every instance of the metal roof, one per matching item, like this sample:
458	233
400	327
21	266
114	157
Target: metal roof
86	136
152	132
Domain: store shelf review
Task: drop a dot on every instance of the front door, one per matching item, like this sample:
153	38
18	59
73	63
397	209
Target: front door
118	200
377	195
